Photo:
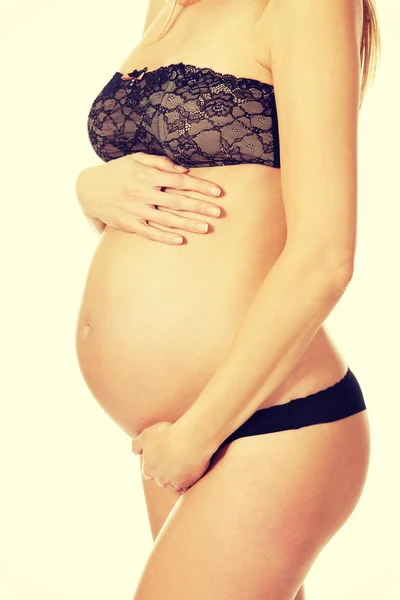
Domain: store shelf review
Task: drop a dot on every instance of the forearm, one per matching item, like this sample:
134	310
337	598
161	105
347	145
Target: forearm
290	306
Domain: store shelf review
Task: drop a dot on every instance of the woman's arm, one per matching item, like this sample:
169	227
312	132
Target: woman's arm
153	10
316	72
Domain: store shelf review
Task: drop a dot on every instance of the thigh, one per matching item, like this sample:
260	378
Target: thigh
159	502
252	526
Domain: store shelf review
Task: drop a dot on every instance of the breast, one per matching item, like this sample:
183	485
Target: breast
195	115
156	320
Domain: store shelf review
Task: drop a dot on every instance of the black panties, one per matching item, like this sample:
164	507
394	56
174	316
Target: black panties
340	400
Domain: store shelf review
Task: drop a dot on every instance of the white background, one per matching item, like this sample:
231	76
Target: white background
73	523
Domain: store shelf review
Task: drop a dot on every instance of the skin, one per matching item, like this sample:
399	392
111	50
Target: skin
150	311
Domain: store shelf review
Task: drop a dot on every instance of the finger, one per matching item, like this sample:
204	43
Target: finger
147	477
176	488
173	221
163	163
173	487
186	182
149	230
141	227
137	445
179	201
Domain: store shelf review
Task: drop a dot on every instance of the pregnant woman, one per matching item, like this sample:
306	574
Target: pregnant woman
208	348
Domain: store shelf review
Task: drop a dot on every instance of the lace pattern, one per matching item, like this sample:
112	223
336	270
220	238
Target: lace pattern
195	115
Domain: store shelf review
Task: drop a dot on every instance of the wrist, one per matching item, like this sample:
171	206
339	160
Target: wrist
195	436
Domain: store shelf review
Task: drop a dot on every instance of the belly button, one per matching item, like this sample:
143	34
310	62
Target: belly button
85	331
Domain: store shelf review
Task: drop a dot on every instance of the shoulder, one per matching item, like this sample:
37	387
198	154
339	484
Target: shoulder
276	20
336	13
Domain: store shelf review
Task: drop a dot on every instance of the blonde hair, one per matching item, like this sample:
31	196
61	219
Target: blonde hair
370	49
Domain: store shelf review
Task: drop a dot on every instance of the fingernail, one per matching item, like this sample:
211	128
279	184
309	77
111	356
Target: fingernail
212	189
176	239
201	227
180	168
213	210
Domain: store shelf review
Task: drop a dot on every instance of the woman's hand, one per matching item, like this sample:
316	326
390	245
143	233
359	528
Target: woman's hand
169	458
124	192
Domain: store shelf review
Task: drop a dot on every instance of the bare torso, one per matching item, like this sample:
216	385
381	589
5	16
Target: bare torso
157	320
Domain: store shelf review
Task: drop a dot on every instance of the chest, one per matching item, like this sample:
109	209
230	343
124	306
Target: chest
194	115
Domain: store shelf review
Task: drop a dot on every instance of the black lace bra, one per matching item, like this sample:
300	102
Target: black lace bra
195	115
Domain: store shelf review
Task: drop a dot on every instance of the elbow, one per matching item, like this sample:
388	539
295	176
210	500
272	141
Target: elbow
338	272
329	263
332	270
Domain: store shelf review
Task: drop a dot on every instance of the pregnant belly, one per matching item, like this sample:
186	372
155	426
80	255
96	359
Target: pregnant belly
156	321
